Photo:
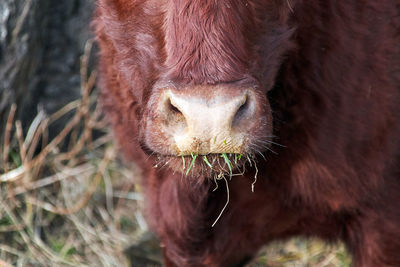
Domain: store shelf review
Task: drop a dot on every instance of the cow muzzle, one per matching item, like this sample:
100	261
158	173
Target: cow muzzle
207	119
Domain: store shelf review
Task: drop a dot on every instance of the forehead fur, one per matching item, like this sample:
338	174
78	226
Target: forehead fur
192	41
207	41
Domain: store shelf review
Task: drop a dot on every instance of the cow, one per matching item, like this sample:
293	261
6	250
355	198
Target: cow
258	120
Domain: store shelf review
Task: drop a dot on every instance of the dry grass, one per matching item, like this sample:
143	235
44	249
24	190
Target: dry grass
67	200
299	252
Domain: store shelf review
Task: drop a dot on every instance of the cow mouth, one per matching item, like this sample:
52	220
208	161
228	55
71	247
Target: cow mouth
207	166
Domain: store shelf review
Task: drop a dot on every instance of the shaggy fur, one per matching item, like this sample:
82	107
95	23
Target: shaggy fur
331	70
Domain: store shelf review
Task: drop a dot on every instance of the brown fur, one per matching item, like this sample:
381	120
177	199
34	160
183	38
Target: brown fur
332	73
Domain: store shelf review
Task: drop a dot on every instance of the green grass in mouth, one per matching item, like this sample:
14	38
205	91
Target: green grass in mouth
225	156
194	156
228	162
207	162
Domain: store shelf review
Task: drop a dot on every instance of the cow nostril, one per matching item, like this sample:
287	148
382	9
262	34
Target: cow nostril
241	111
243	107
172	108
174	116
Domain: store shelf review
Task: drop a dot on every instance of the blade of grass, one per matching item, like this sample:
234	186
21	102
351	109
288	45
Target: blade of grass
228	162
183	162
191	163
227	201
7	135
255	176
207	162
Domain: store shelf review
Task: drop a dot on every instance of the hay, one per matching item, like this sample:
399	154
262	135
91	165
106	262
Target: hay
227	197
65	201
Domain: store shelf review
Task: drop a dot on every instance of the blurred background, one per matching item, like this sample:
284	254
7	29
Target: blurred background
41	42
66	198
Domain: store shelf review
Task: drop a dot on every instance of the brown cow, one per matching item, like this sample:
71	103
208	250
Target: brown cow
313	86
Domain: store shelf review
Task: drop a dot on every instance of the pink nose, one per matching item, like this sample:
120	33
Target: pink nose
206	120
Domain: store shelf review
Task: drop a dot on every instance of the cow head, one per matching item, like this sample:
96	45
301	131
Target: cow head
199	70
